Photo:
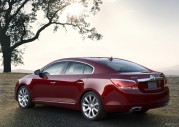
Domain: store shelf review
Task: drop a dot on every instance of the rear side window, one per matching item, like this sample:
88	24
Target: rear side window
75	68
124	66
88	70
78	68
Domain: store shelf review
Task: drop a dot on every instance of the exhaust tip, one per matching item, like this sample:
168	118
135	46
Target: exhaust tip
136	109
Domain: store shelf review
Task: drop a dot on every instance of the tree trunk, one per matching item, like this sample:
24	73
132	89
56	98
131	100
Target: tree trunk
7	61
6	52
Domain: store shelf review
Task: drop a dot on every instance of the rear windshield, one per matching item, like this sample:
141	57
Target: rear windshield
124	66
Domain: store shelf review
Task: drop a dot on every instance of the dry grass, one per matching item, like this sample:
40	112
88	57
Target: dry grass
7	85
10	115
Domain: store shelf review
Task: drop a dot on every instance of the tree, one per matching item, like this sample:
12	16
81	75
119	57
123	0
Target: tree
19	18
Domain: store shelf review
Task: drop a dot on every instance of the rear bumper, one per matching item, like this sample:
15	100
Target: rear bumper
124	101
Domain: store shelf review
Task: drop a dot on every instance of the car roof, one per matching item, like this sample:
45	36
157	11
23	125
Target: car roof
94	59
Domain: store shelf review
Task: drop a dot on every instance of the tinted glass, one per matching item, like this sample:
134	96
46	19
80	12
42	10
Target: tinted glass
55	69
124	66
75	68
88	70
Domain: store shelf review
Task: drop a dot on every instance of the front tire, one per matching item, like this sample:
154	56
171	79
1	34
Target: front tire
24	98
92	107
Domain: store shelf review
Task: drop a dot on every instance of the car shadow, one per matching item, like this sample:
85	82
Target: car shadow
44	116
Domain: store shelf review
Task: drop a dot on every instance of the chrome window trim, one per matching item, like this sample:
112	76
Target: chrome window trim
72	103
67	65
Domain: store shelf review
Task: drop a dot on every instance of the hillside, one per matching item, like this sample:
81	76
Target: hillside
20	71
172	70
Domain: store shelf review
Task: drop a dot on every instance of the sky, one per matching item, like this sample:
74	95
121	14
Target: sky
143	31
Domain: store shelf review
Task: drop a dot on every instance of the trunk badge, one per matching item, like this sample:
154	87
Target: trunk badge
152	78
133	77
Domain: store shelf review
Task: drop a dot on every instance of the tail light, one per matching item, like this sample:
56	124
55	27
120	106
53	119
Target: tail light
124	84
164	78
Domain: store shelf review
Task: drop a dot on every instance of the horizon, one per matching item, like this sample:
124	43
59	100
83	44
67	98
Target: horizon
144	32
167	68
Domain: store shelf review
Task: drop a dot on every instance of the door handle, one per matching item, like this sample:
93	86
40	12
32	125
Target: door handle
52	83
80	82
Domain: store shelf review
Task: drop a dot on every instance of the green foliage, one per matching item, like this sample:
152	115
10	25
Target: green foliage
23	20
16	57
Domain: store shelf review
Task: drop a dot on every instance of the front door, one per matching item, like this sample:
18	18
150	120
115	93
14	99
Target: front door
43	88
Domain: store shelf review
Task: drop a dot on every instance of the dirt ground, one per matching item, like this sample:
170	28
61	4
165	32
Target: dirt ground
43	116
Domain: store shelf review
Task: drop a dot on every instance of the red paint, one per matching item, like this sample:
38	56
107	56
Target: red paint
68	89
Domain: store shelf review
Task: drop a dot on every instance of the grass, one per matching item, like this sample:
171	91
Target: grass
8	81
10	78
166	116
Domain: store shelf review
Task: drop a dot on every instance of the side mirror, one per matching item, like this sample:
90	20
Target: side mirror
37	72
43	74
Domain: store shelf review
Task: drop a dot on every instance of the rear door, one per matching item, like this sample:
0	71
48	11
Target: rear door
71	84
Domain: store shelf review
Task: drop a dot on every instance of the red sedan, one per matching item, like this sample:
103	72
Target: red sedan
94	85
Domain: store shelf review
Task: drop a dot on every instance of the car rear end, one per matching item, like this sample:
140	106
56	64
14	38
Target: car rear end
136	88
136	92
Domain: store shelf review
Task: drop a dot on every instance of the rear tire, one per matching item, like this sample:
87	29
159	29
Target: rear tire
24	98
92	107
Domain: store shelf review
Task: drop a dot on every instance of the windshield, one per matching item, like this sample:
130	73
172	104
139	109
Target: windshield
124	66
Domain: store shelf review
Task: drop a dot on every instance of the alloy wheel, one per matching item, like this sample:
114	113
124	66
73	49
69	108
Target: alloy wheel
90	106
23	97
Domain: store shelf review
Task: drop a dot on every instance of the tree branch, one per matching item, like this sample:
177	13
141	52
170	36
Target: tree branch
38	33
1	10
40	30
22	5
23	34
47	15
63	24
82	30
8	11
11	17
2	7
59	10
33	38
71	24
54	12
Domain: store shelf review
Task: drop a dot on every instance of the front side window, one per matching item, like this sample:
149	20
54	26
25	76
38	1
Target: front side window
75	68
55	68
